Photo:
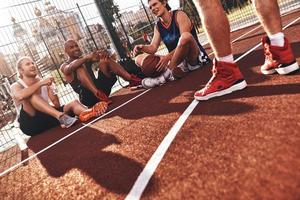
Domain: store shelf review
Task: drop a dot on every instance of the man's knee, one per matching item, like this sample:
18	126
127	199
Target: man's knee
33	98
185	39
74	103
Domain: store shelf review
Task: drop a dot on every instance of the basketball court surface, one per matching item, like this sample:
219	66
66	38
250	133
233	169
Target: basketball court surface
161	144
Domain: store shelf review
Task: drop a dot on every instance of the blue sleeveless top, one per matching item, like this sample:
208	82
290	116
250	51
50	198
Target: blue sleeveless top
170	35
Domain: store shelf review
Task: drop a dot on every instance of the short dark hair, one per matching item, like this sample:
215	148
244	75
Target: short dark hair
167	5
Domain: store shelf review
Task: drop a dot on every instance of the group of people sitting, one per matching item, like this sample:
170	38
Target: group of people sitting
38	105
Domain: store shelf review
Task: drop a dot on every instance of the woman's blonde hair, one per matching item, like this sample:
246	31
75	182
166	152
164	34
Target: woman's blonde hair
19	64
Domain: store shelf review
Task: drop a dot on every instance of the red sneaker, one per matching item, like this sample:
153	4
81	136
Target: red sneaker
103	97
97	110
278	59
135	81
226	78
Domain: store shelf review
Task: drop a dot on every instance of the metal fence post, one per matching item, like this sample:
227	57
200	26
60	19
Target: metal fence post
100	4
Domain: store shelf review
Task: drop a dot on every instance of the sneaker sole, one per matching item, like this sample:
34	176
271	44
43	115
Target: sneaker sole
288	69
136	87
73	122
233	88
146	87
268	72
283	70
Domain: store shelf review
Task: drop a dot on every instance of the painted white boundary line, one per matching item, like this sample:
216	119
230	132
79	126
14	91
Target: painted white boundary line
241	36
145	176
154	161
70	134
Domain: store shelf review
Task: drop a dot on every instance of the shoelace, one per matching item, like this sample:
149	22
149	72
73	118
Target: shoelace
267	52
214	75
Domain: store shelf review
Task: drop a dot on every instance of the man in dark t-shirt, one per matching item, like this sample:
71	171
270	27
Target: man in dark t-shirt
79	74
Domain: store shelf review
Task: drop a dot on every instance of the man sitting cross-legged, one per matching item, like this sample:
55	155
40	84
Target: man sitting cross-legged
78	72
32	95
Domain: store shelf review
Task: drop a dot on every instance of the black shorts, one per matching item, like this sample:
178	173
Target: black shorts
40	122
102	82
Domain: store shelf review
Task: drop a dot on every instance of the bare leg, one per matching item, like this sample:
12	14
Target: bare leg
116	68
41	105
86	80
269	15
216	26
186	48
74	106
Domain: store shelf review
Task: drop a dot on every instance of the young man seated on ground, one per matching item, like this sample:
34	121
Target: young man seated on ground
177	32
79	74
32	95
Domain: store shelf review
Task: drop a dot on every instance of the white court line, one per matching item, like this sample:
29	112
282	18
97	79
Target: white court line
144	177
241	36
70	134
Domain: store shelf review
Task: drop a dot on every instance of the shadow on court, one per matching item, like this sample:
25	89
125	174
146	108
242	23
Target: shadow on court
85	151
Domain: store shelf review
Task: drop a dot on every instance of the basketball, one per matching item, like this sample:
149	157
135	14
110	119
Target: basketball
148	64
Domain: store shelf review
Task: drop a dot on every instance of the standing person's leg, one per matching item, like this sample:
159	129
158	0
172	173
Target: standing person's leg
269	15
226	77
216	26
279	55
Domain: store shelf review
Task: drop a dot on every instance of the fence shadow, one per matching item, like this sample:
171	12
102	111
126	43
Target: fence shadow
84	151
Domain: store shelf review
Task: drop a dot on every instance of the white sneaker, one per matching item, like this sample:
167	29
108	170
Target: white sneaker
168	75
194	67
153	82
183	66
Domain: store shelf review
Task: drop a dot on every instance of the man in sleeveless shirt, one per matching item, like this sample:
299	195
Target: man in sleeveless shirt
177	32
79	74
32	96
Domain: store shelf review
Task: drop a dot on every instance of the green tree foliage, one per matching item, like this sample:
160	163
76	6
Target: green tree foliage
232	4
189	8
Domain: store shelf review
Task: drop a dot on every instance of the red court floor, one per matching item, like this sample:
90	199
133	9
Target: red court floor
244	145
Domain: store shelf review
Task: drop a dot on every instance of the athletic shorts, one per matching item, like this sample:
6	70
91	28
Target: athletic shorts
102	82
40	122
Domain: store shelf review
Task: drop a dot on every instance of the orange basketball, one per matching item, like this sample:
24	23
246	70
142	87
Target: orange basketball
148	65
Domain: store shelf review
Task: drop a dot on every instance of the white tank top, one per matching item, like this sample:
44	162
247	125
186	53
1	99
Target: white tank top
44	94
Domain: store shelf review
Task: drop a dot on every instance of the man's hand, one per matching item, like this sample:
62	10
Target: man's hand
46	81
137	49
103	55
163	63
94	57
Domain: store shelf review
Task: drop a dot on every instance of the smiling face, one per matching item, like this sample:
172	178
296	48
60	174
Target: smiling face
27	68
158	7
72	49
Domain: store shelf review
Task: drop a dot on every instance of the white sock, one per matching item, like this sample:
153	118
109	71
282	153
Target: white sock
277	39
167	73
228	59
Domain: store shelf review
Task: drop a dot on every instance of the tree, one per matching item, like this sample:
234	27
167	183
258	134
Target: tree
189	7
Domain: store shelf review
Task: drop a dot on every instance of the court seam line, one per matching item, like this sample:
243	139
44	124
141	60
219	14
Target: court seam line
148	171
70	134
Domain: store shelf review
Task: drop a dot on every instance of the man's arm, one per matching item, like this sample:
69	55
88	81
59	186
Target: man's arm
67	69
183	21
53	96
19	93
152	47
